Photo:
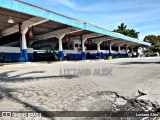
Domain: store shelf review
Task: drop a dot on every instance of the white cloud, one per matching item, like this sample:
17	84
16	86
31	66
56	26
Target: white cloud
103	5
138	14
66	3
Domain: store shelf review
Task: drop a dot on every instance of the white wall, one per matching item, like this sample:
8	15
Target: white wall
14	50
104	51
77	50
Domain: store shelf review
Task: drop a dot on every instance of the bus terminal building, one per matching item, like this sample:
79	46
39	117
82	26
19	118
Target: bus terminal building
30	33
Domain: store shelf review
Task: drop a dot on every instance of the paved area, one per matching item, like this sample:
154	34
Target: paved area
87	86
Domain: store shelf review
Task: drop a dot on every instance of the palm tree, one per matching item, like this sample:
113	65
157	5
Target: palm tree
122	27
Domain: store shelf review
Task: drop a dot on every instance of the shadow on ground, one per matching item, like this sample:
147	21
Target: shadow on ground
1	65
137	63
4	77
7	92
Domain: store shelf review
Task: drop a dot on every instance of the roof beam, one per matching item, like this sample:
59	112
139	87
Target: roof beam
91	35
28	23
101	39
57	33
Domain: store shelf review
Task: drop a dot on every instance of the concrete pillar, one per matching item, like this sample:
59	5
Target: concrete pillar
23	44
20	40
119	51
23	28
61	53
99	51
83	48
126	50
110	48
132	51
24	47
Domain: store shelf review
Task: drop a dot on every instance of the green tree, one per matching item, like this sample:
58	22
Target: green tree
122	28
149	51
155	41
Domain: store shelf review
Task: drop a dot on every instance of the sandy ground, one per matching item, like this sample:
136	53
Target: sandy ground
95	85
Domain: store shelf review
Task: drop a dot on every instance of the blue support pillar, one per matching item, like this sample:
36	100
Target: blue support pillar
110	54
23	52
25	55
24	47
119	55
126	55
119	51
61	54
83	56
83	49
99	51
102	55
99	55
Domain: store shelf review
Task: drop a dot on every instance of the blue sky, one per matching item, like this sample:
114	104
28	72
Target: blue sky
142	15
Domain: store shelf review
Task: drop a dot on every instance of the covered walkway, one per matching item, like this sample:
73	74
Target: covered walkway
26	29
